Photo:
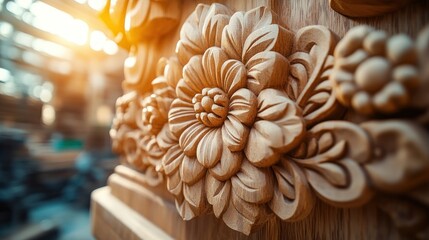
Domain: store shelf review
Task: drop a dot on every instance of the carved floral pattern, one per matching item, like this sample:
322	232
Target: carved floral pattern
248	120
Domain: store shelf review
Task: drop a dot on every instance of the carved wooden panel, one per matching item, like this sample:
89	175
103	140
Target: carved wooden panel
253	121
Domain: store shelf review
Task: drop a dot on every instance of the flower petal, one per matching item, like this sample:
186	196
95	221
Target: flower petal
234	133
266	69
218	194
191	136
213	59
209	149
194	194
280	129
174	183
253	184
172	159
233	76
229	164
165	138
232	38
272	103
243	106
215	21
181	116
191	170
194	75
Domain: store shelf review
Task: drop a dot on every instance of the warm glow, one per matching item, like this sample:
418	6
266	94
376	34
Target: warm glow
104	115
110	47
80	1
52	20
97	40
45	95
51	48
48	114
97	4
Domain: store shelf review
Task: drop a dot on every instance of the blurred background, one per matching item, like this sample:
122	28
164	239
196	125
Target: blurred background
60	75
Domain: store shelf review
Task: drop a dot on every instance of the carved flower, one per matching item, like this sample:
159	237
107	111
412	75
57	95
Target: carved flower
139	122
374	73
225	128
154	111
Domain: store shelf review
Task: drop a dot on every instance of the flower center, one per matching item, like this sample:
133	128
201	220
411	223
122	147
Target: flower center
211	106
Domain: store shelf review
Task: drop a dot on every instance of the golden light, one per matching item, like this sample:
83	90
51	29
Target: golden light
104	115
52	20
97	40
110	47
48	114
97	4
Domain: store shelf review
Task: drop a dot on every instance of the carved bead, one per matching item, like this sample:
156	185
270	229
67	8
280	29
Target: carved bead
373	74
385	69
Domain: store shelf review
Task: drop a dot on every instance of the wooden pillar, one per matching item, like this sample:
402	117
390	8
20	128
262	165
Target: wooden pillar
269	120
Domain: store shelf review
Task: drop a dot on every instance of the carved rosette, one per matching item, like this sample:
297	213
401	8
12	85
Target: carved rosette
249	119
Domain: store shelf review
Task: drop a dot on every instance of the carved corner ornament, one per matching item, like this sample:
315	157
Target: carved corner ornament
251	120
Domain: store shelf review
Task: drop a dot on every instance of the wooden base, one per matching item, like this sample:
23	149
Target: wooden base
127	209
112	219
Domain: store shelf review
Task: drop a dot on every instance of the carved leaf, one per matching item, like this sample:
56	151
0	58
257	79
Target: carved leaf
311	66
334	171
402	155
279	129
292	200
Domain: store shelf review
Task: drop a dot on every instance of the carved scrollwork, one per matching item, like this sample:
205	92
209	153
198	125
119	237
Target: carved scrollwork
248	119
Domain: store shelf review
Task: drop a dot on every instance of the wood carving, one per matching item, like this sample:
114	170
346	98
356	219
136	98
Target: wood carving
251	120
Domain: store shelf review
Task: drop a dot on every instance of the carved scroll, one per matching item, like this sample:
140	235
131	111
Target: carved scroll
250	120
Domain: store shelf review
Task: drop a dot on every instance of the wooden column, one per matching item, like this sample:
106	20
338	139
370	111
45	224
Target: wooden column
268	120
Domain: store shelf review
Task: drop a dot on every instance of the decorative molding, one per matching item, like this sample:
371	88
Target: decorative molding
251	120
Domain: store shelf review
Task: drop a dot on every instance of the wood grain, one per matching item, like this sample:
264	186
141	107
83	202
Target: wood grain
325	222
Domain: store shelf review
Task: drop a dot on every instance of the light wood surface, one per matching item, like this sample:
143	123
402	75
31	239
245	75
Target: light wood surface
252	113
